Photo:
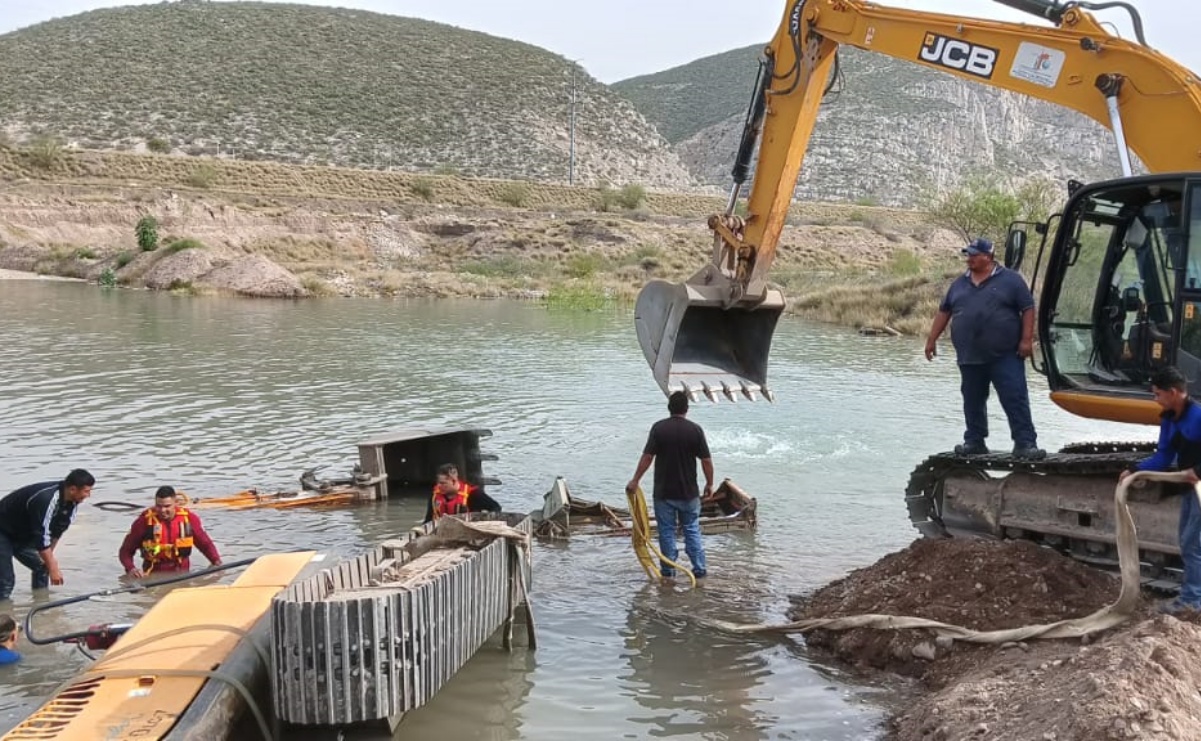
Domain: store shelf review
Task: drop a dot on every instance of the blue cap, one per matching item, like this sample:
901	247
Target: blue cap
978	246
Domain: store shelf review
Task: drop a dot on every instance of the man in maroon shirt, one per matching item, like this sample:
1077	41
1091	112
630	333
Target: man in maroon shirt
165	534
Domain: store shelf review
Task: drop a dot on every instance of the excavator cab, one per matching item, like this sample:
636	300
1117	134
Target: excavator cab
1121	295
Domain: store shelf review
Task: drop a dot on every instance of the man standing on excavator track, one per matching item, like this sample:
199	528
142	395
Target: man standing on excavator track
993	334
1179	449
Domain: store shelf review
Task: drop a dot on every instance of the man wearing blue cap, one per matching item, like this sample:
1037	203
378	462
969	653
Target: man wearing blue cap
993	334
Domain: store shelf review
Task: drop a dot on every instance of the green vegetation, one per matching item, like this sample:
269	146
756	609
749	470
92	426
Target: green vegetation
146	232
158	145
578	296
85	253
108	278
514	194
179	245
202	176
985	206
123	259
45	152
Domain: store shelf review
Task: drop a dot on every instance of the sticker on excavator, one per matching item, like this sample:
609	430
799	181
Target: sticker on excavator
1038	64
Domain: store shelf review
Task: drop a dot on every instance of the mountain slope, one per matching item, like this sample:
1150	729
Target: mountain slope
894	133
320	85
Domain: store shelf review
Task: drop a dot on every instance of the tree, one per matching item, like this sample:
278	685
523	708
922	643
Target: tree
985	207
147	233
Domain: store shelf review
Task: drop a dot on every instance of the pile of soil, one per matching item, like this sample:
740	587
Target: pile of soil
1138	681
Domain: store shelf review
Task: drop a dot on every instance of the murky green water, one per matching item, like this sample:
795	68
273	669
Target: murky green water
215	395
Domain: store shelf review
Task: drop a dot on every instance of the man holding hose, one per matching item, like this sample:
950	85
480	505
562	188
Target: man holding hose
1179	449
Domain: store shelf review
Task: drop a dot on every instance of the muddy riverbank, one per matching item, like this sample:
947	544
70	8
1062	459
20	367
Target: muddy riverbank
1136	681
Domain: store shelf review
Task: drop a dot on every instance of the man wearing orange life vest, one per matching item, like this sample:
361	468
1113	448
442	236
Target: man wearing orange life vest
165	534
454	497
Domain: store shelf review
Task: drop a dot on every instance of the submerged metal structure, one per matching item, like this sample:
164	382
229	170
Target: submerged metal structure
374	637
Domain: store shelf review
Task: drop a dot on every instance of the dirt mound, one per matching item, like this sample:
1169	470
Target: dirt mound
979	584
254	275
178	269
1138	681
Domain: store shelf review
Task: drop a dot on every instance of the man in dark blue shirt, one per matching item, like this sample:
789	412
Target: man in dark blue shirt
1179	449
993	333
32	519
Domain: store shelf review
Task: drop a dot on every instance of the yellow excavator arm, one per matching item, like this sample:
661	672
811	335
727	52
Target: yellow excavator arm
712	334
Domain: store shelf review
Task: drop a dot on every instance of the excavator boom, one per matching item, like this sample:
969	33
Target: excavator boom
712	333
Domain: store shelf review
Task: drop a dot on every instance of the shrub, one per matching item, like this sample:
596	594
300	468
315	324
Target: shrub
423	188
123	259
179	245
202	176
606	198
904	262
584	265
514	194
632	196
108	278
158	145
45	152
85	253
147	233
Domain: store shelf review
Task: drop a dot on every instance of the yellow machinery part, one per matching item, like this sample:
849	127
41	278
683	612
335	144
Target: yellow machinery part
128	694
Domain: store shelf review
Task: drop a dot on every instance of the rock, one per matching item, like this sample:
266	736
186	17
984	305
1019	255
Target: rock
925	650
182	267
944	642
254	275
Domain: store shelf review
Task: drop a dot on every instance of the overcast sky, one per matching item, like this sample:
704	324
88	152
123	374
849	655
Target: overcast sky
615	39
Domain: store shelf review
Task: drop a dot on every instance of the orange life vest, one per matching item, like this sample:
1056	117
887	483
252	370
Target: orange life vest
159	546
455	504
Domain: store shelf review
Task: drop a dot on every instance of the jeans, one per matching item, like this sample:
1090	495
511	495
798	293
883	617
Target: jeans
27	555
687	515
1008	376
1190	548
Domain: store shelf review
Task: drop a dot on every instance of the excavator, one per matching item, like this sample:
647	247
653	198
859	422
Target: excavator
1116	273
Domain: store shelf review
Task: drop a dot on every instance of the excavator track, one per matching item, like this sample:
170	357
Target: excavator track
1092	464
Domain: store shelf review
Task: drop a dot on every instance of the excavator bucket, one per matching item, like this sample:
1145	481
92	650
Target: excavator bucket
695	344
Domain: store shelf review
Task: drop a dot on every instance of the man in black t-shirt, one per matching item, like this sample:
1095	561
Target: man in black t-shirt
675	445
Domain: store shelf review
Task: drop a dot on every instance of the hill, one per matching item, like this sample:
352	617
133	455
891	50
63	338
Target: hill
319	85
891	133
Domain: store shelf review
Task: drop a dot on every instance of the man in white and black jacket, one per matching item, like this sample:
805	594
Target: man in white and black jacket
32	519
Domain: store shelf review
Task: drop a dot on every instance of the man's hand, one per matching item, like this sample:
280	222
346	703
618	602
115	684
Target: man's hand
1025	348
708	491
931	349
135	573
632	486
1122	476
1192	476
56	576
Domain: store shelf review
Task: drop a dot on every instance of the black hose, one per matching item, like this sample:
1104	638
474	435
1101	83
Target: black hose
118	506
119	590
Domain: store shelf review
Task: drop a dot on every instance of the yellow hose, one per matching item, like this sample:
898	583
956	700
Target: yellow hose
640	534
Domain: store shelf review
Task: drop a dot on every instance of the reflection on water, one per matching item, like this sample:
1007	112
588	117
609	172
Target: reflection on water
215	395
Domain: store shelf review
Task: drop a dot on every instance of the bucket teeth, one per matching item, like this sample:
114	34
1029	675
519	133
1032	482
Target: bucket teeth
729	392
693	394
748	390
710	394
768	394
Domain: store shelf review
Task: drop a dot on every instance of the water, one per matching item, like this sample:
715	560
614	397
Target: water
215	395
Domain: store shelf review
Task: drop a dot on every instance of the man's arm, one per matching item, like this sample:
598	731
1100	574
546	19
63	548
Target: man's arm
707	469
1026	344
1160	459
203	541
643	463
941	320
129	547
478	501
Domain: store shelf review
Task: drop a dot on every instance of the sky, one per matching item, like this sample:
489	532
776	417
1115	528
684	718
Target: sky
616	39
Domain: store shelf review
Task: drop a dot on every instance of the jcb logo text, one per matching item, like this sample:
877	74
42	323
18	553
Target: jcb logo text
958	55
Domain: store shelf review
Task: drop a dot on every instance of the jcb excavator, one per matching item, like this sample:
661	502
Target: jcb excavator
1120	267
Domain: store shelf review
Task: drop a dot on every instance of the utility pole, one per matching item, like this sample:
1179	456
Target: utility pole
571	129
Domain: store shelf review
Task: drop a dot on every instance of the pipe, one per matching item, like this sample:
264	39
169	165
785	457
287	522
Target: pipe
1048	9
107	592
1110	85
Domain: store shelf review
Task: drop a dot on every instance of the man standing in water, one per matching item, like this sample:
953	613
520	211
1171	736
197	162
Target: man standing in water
32	519
165	534
674	445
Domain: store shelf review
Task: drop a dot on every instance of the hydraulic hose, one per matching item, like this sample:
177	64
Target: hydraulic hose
29	634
